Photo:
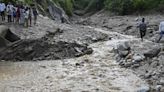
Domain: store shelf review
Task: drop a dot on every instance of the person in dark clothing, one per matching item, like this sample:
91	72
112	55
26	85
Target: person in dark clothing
142	28
30	16
18	14
35	13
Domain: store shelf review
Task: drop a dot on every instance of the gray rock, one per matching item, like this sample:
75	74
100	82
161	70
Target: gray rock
118	58
144	89
161	60
129	60
158	88
138	58
122	62
123	53
153	52
148	75
136	65
126	65
161	82
123	49
124	46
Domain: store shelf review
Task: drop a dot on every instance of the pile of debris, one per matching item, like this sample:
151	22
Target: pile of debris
42	49
146	61
7	36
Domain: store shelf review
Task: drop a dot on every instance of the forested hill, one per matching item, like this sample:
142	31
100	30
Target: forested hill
81	7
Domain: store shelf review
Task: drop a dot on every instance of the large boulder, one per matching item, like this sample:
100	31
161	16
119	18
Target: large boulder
123	49
6	36
152	52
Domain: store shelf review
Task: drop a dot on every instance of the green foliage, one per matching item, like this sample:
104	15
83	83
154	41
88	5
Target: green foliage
161	6
28	1
139	5
89	5
119	6
67	5
129	6
81	4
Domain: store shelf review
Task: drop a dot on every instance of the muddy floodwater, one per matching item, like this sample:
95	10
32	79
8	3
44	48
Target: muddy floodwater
97	72
92	72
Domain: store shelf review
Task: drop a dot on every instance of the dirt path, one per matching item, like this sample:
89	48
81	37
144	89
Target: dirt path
97	72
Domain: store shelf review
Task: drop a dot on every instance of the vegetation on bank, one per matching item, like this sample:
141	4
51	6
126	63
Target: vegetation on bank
124	7
121	7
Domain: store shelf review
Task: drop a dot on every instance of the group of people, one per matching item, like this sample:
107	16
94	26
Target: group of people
19	14
143	28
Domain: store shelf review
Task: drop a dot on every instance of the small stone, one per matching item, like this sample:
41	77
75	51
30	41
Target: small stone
123	53
118	58
148	75
43	66
136	65
161	82
158	88
129	56
129	60
77	64
138	58
48	77
127	65
144	89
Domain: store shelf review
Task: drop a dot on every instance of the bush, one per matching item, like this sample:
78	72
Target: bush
124	7
139	5
67	5
161	6
121	7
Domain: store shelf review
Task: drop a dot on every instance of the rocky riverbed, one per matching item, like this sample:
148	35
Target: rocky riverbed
145	58
103	69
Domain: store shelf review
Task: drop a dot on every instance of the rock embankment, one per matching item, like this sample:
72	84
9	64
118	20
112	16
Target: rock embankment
146	60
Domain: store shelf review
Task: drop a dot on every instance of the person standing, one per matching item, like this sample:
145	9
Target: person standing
161	30
9	11
35	14
14	14
18	14
22	19
142	28
26	16
30	16
2	10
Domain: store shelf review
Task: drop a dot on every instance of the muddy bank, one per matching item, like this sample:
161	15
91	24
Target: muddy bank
43	49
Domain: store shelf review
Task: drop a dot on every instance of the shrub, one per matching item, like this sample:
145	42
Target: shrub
119	6
160	7
139	5
67	5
